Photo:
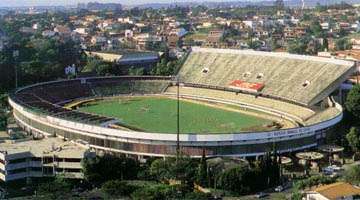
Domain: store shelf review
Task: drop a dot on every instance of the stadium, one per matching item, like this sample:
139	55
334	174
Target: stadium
232	103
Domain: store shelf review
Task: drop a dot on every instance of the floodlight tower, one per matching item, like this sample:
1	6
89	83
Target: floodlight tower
177	78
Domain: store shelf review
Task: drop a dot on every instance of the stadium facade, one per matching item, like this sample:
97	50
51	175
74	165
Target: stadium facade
291	87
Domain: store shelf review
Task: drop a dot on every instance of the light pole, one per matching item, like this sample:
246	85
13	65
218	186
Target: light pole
15	56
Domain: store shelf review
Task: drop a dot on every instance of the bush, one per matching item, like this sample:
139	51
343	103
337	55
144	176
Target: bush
235	179
184	169
108	167
197	196
157	192
352	175
352	103
313	181
296	195
117	188
55	189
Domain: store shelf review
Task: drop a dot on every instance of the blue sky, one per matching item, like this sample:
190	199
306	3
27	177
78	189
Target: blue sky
8	3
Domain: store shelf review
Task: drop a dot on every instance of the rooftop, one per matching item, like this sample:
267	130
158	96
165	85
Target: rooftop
47	146
337	190
125	56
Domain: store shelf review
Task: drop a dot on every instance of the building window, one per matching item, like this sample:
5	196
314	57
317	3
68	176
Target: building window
48	160
73	170
72	159
36	169
17	171
20	160
35	159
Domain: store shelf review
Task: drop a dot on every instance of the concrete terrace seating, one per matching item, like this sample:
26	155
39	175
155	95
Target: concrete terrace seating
299	111
60	91
49	97
323	115
113	87
284	75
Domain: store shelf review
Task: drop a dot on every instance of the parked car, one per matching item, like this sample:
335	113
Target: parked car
261	195
279	188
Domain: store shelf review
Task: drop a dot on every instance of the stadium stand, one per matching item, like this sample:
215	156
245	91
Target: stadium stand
301	79
299	111
114	87
49	98
58	92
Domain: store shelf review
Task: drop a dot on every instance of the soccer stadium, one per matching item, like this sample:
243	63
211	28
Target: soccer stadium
231	103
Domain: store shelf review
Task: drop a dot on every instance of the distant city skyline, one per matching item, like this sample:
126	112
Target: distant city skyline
19	3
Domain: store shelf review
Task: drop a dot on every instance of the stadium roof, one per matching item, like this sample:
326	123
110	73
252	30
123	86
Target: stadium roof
109	57
303	79
125	57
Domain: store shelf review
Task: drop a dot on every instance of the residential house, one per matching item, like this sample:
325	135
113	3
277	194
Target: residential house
335	191
62	30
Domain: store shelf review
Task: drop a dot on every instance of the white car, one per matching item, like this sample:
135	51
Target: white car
279	188
261	195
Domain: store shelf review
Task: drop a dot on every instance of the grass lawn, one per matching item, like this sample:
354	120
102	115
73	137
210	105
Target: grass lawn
156	114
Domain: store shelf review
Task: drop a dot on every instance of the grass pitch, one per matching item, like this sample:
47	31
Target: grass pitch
158	114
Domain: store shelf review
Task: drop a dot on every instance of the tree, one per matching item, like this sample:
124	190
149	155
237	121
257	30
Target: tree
254	44
156	192
183	169
56	189
343	44
235	179
166	67
3	121
133	71
298	46
352	103
316	29
108	167
296	195
353	137
97	65
116	188
160	169
352	175
313	181
4	104
156	46
197	196
202	175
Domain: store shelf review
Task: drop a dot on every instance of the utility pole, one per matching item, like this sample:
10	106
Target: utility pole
178	118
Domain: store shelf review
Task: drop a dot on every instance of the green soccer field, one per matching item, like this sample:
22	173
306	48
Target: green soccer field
157	114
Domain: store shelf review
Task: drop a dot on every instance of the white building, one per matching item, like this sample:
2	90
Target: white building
180	32
98	39
129	33
142	39
82	31
125	20
41	158
325	26
249	23
48	33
